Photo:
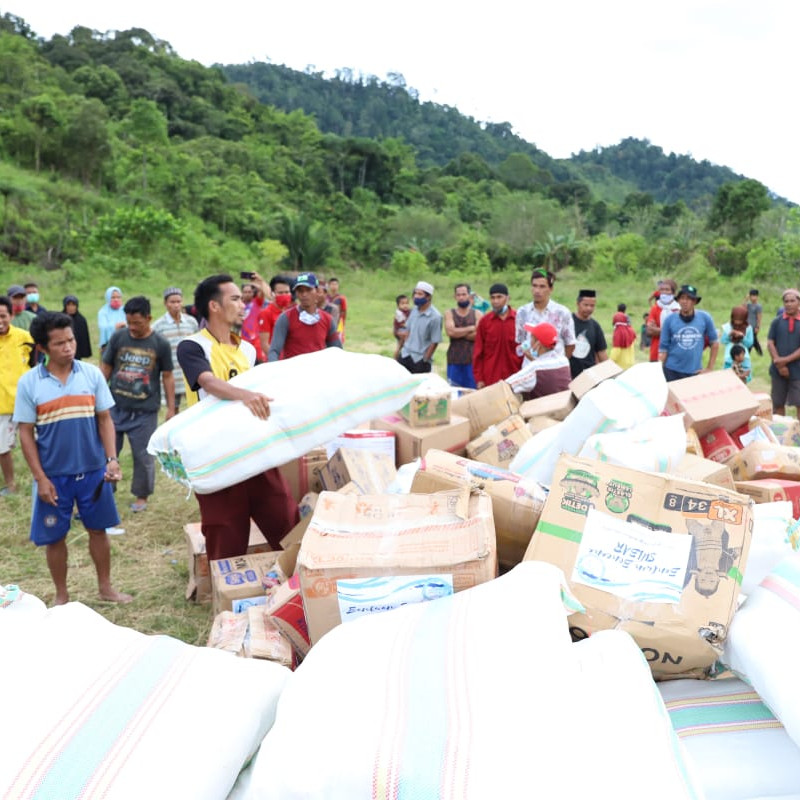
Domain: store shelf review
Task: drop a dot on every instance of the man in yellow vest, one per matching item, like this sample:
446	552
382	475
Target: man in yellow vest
209	359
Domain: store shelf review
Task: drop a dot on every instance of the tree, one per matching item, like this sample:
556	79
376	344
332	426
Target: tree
43	112
736	208
307	242
146	127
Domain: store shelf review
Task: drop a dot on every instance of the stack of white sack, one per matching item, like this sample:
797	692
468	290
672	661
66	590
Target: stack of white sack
638	394
770	543
217	443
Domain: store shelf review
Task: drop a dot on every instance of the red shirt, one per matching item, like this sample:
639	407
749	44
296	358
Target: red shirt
302	338
267	317
494	356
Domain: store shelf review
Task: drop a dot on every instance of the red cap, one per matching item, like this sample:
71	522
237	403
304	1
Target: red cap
544	333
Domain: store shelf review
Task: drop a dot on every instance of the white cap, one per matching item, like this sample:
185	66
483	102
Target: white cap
424	286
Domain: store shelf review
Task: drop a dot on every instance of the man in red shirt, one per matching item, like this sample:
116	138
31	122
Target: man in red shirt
303	328
494	356
664	305
281	287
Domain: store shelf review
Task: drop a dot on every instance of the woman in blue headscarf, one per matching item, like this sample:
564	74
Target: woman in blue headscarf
110	316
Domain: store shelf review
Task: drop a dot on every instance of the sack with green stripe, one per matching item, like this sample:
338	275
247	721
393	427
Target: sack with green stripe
218	443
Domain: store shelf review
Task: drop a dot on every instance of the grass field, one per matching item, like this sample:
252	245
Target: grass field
149	560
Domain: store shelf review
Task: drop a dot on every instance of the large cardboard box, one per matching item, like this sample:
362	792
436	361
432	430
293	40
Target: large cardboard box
517	502
287	558
554	406
765	460
486	406
712	400
302	474
422	411
657	556
591	377
199	586
412	443
695	468
771	490
370	472
499	443
239	578
369	554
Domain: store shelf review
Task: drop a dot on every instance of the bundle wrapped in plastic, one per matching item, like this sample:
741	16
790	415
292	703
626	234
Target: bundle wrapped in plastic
217	443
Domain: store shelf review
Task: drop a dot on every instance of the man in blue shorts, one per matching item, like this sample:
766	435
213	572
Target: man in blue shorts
67	437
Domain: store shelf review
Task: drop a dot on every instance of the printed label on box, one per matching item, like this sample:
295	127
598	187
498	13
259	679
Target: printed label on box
243	603
630	561
361	596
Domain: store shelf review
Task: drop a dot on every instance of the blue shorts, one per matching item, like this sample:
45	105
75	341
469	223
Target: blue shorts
461	375
49	524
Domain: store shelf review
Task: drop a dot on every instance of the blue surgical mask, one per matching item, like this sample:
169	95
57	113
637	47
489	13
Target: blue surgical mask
502	310
420	301
33	297
666	298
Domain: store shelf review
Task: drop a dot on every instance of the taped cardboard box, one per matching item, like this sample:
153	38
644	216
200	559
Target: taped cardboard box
516	501
422	411
376	441
771	490
370	472
654	555
369	554
199	586
695	468
412	443
554	406
765	460
486	406
712	400
240	578
593	376
499	443
285	608
302	474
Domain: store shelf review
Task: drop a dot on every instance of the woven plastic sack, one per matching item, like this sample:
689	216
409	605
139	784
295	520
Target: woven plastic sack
217	443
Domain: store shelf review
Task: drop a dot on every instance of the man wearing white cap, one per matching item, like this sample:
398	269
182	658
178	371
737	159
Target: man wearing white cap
424	331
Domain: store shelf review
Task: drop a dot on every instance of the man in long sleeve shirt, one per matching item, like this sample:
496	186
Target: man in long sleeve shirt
495	356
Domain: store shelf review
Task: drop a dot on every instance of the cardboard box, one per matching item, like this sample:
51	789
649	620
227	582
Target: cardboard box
287	558
370	472
486	406
285	608
444	542
695	468
591	377
377	441
718	445
786	430
239	578
422	411
499	443
771	490
555	406
265	640
693	443
302	474
765	460
539	424
412	443
764	405
657	556
712	400
199	586
517	502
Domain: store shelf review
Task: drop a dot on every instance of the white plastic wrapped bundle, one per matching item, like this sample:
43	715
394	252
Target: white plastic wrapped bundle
638	394
770	542
217	443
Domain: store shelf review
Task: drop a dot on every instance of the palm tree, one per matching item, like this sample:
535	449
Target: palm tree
308	242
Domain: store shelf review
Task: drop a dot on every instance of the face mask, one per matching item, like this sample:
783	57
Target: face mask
502	310
308	319
420	301
115	303
33	297
464	303
666	298
18	307
283	300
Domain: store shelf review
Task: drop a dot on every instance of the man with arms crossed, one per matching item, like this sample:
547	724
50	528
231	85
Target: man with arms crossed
783	345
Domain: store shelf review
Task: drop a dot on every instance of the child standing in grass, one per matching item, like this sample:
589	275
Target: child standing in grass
623	338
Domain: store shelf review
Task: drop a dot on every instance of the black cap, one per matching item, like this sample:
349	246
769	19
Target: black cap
498	288
689	291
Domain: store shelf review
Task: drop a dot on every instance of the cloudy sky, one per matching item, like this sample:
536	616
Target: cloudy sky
708	78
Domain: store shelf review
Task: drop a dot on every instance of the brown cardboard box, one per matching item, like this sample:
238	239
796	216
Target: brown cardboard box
765	460
302	474
712	400
486	406
771	490
370	472
287	558
555	406
285	608
657	556
538	424
499	443
693	444
516	501
199	585
695	468
591	377
422	411
446	541
412	443
239	578
764	405
265	639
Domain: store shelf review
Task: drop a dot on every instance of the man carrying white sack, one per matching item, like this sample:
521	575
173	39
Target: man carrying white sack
209	359
545	370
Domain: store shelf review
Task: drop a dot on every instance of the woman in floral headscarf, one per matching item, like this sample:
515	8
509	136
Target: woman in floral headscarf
737	331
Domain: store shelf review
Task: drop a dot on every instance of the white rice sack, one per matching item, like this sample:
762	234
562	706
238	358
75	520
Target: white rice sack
91	710
762	642
655	445
770	542
217	443
737	747
460	698
17	610
538	456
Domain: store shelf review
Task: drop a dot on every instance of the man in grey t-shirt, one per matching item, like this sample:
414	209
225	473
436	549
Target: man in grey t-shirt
754	310
424	327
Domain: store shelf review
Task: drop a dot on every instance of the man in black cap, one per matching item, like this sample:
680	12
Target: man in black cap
590	341
494	357
20	316
754	311
683	335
